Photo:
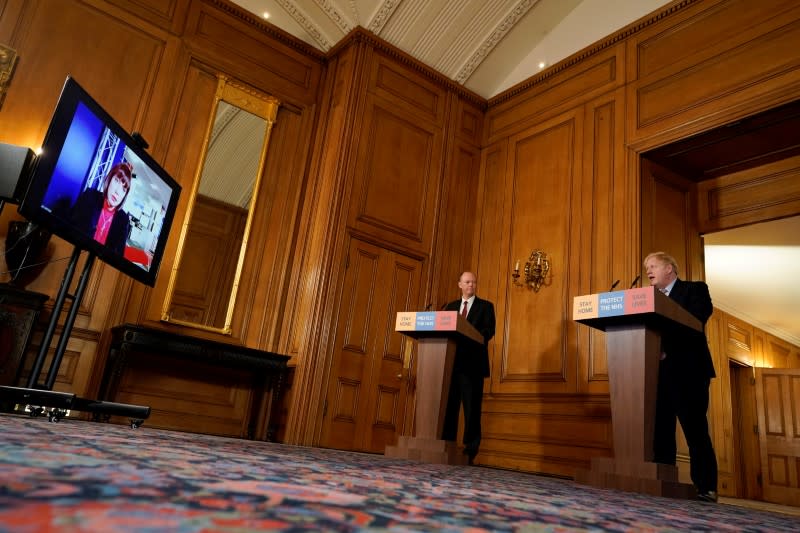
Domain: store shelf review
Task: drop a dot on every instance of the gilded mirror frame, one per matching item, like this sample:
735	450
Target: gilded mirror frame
265	107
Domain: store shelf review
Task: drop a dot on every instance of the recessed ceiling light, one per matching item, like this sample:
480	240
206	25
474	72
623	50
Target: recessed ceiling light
265	14
542	64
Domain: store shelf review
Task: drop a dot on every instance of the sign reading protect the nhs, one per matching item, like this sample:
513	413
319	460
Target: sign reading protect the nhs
611	303
426	321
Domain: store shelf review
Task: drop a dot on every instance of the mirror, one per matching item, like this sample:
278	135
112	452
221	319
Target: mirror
208	264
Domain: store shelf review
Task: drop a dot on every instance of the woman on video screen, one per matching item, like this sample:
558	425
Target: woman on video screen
99	212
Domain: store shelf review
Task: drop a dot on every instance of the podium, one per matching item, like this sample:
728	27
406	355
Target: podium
437	334
633	321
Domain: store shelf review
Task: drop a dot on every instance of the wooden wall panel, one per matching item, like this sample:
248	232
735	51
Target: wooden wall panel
668	221
166	14
695	88
459	218
469	122
588	79
779	354
321	241
698	34
459	212
538	433
405	89
603	193
737	348
755	195
213	398
72	37
739	340
397	177
539	194
232	41
273	266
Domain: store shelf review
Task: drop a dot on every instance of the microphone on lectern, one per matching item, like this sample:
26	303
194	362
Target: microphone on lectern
613	285
634	282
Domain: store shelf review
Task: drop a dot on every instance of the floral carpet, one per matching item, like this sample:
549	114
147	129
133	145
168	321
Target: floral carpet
74	476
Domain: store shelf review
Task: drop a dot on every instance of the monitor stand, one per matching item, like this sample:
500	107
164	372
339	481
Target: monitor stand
40	398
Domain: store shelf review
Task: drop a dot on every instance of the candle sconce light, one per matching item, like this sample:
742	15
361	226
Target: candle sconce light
535	273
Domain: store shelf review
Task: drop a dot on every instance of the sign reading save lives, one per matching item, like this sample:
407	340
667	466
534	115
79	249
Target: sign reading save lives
603	304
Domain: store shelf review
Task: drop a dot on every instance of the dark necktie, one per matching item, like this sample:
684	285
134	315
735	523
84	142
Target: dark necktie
464	309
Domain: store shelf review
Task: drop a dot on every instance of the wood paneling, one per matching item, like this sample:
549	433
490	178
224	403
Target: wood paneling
750	142
229	40
216	399
739	339
397	177
544	171
458	214
779	354
368	388
603	193
754	195
746	470
778	395
406	89
738	347
590	78
696	87
167	14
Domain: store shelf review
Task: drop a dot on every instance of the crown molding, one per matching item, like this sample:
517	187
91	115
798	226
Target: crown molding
360	35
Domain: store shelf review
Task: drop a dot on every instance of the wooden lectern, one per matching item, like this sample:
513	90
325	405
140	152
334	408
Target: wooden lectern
633	321
437	334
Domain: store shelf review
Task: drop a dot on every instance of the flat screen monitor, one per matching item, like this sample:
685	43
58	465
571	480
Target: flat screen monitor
96	187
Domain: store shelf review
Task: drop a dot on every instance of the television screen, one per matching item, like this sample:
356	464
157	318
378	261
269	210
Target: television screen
96	187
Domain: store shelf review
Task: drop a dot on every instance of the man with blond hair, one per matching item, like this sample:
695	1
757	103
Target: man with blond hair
684	376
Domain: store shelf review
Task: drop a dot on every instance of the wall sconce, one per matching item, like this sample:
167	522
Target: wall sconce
536	269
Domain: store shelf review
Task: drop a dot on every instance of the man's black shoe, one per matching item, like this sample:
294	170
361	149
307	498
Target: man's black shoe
708	496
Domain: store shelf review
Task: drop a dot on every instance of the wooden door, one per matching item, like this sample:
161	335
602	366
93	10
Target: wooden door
368	390
746	457
778	403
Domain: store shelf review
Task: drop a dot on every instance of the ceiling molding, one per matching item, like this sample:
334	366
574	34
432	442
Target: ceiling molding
306	22
382	16
361	35
500	31
336	17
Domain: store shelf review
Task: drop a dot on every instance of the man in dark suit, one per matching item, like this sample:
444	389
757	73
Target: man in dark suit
684	376
470	367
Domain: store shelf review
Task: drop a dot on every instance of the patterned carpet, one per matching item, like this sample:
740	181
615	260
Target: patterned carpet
76	476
